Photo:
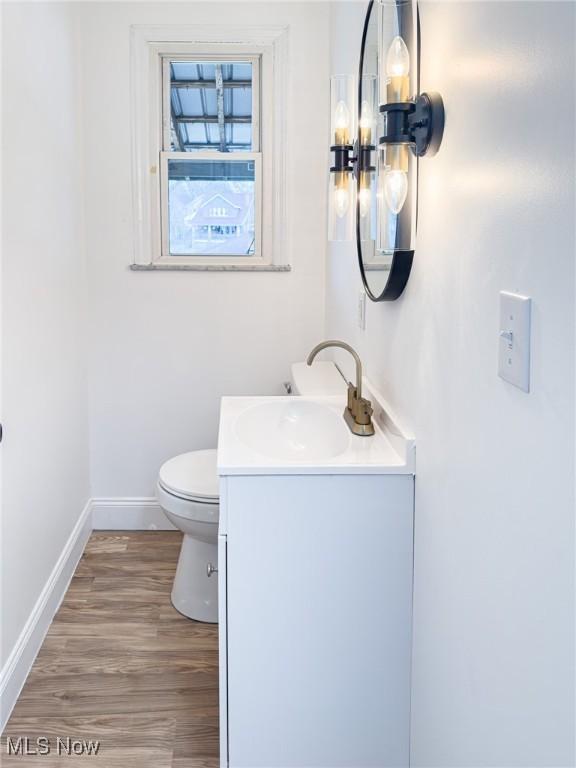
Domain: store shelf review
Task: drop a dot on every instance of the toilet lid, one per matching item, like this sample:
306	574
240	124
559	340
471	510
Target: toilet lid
192	476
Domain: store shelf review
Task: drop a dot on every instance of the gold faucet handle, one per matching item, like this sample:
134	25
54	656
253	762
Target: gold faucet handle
358	413
364	411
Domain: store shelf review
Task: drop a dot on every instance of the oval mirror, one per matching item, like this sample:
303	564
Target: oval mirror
384	211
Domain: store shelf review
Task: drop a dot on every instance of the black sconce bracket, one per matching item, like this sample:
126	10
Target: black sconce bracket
364	157
419	123
342	159
345	161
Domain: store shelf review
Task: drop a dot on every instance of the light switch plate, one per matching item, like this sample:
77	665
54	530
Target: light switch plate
362	310
514	341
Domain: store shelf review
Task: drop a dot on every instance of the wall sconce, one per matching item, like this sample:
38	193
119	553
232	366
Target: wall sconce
352	182
366	170
343	135
405	125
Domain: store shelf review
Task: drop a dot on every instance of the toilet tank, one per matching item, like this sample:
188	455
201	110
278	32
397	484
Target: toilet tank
320	378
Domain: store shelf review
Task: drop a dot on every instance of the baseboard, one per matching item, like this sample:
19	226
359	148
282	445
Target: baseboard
129	514
120	514
17	667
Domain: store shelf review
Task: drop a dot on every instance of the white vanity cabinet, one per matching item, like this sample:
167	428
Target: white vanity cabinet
315	605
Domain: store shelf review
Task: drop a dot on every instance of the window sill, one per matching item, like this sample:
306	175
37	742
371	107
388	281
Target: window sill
210	267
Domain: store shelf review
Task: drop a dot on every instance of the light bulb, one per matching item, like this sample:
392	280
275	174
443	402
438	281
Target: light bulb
398	58
395	189
342	123
365	194
365	123
341	201
366	115
341	115
364	198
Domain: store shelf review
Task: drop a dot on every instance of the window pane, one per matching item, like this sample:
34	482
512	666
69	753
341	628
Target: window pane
210	102
211	207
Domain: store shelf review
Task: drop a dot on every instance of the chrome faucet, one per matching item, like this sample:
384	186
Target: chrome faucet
358	412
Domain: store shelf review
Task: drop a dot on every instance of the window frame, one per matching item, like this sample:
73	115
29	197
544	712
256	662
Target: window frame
254	60
224	259
149	47
166	154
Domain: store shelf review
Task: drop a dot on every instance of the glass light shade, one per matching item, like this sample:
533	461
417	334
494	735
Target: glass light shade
396	221
397	46
367	208
368	110
343	109
341	205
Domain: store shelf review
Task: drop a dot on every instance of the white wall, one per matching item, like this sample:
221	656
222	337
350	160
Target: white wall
166	346
45	395
493	680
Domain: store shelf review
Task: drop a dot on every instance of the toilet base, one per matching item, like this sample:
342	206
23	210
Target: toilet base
194	593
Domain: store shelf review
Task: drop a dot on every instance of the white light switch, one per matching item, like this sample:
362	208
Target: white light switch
514	341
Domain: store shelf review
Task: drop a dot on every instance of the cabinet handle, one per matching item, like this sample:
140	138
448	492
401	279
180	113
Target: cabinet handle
210	570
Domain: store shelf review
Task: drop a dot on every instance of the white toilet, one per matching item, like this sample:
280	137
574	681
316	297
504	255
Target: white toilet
188	493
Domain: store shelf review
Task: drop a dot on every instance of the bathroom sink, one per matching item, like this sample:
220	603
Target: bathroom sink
287	435
295	430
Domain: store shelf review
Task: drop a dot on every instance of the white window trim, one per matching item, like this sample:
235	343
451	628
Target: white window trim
148	45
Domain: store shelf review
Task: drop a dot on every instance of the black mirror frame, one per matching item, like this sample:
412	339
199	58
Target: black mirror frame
401	260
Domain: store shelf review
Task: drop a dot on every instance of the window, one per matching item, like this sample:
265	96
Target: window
209	150
211	161
211	104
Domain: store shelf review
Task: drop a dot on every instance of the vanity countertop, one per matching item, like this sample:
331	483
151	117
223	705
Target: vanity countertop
306	436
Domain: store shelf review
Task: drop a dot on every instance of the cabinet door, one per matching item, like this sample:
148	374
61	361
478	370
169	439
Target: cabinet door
319	575
222	650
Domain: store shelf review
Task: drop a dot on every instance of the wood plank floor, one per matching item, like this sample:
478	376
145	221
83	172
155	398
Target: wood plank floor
122	666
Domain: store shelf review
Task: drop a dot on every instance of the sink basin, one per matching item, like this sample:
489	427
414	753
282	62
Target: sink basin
298	430
287	435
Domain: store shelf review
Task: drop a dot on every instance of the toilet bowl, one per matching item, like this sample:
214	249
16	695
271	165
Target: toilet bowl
187	491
